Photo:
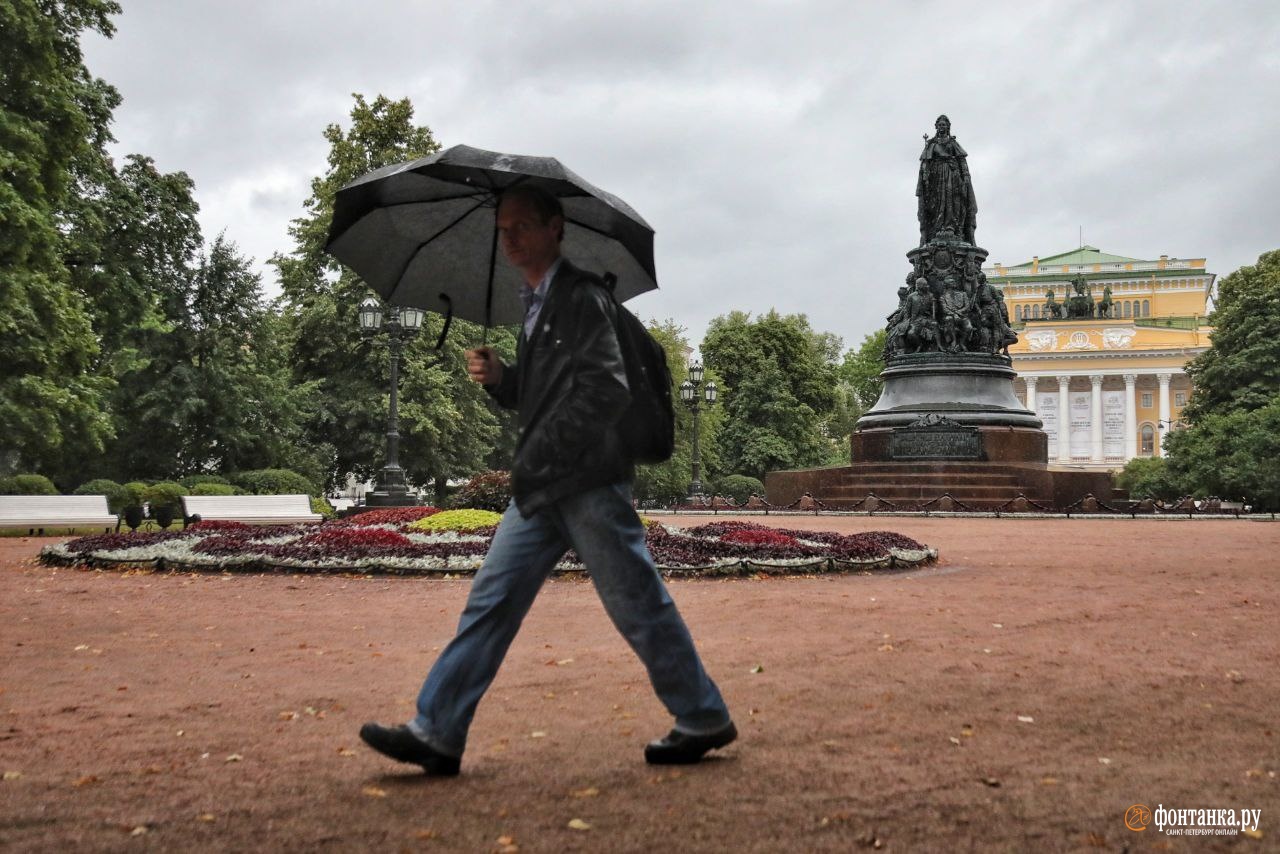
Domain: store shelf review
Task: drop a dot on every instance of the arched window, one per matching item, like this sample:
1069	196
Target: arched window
1146	308
1148	440
1128	309
1035	311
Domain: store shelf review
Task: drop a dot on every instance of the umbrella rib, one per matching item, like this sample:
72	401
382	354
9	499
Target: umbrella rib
414	255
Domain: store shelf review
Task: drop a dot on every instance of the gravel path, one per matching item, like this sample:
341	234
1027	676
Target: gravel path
1019	695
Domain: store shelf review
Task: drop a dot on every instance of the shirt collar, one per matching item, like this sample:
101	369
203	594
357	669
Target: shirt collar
531	295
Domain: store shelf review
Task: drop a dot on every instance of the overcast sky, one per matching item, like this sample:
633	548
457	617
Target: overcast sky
773	146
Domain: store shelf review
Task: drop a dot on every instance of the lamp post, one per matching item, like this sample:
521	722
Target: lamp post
693	393
399	323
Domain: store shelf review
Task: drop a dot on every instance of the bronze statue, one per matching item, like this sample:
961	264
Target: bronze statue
1081	303
944	191
1052	308
956	327
1106	303
922	328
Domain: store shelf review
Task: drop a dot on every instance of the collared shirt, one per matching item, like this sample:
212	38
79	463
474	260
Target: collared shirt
533	298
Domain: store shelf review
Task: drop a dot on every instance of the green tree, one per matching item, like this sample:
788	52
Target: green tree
449	427
50	402
856	391
1149	477
1241	370
1232	447
780	381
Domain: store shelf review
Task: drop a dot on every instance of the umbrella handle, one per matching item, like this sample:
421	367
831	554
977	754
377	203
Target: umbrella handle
448	320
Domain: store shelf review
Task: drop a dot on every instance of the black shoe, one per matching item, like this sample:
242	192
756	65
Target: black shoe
399	743
680	748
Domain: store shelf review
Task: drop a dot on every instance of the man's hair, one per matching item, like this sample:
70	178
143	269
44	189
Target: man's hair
544	204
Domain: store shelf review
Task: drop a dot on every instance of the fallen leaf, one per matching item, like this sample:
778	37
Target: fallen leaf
86	780
288	716
1048	781
1253	772
346	751
589	792
537	734
205	816
12	775
550	695
759	668
180	733
82	646
562	662
991	781
1252	833
886	647
955	741
966	731
578	824
374	792
997	625
425	833
235	757
1026	719
1096	840
139	830
1104	760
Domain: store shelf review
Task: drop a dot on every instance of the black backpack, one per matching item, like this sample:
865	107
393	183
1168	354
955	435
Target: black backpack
648	427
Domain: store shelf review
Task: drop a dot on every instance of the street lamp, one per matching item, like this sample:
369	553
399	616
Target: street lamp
693	393
399	323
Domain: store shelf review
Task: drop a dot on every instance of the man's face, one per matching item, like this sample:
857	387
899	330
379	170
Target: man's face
527	241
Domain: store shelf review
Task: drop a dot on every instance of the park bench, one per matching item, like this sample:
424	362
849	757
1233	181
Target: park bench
37	512
253	509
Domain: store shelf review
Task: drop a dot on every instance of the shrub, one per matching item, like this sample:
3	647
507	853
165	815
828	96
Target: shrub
321	505
738	487
192	481
457	520
273	482
166	493
490	490
1148	477
134	493
210	488
388	516
117	495
27	484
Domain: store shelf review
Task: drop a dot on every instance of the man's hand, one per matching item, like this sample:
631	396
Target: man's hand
484	366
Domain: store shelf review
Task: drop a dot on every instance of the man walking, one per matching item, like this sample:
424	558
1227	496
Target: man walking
571	481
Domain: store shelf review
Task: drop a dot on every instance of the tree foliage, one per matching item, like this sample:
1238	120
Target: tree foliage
449	427
780	389
51	402
1232	447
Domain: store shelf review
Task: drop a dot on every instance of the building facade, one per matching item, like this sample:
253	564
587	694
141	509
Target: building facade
1108	386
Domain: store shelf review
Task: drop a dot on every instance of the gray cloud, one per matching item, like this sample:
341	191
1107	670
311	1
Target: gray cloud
772	145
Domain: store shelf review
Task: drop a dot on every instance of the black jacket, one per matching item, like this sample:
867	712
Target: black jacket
569	385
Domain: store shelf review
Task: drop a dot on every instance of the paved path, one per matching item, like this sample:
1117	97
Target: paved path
1043	677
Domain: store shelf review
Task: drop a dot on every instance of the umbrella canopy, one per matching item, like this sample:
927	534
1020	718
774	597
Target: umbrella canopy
423	233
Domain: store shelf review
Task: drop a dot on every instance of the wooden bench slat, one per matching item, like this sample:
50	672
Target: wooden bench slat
49	511
250	508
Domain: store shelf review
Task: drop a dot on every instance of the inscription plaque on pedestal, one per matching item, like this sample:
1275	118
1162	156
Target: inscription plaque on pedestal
935	437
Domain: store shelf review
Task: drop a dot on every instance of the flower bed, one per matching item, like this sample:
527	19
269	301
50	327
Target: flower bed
408	544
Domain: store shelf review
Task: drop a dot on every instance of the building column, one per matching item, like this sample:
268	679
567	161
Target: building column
1095	419
1064	418
1130	416
1165	413
1031	394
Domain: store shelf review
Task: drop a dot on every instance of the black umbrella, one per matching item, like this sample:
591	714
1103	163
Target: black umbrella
423	234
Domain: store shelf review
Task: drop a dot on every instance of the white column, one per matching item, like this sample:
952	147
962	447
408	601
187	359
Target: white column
1095	419
1165	413
1130	416
1031	394
1064	418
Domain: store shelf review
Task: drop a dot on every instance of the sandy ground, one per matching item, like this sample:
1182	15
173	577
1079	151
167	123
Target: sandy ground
1020	695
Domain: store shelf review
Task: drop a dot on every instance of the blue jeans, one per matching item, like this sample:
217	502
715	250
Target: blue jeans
601	525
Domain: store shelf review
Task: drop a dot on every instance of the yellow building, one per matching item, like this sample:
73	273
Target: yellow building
1116	382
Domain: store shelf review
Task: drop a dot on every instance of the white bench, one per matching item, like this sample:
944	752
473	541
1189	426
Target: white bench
37	512
253	509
